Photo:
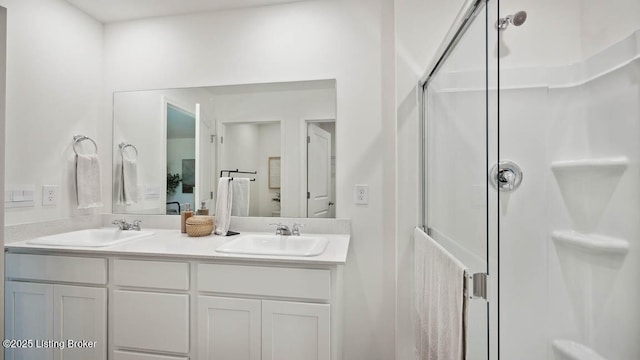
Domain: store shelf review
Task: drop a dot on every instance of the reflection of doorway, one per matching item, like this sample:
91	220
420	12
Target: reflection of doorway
248	147
320	169
181	154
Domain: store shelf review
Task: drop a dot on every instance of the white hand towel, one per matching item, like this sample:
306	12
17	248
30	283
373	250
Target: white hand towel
88	187
241	191
129	181
223	206
440	300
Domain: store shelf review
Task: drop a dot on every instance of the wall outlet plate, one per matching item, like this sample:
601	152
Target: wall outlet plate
361	194
50	195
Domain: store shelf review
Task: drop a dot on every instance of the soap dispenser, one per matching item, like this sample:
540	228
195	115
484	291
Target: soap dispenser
187	213
203	209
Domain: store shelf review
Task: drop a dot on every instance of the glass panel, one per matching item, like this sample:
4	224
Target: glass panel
456	128
570	117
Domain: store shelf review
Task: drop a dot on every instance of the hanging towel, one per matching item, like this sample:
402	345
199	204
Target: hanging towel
241	192
223	206
440	300
88	187
128	182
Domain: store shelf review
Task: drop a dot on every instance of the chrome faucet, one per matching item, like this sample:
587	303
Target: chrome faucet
124	225
281	229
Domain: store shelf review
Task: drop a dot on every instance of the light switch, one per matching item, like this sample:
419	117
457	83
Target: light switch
19	196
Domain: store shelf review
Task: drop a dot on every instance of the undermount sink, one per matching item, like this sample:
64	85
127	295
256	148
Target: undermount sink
276	245
90	237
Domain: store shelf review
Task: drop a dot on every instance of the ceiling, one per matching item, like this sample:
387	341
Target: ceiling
108	11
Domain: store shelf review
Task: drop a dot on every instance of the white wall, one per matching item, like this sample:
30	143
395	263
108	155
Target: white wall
339	40
3	78
54	82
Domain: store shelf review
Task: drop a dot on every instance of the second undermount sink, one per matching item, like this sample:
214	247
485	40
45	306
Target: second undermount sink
280	245
90	238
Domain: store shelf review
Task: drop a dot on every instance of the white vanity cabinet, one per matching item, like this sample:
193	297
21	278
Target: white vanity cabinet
174	308
51	314
150	311
230	327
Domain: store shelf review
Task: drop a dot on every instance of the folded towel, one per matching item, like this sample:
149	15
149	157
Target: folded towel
241	189
440	300
129	181
88	187
223	206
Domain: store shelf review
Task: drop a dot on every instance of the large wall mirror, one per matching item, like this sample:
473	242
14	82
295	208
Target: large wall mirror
171	146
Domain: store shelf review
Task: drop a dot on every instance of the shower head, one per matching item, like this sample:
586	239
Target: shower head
516	19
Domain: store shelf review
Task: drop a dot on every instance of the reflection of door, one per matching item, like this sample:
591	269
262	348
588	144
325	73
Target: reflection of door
204	160
318	172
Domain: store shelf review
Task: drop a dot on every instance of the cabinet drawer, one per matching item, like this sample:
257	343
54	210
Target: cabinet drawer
151	321
126	355
56	268
265	281
151	274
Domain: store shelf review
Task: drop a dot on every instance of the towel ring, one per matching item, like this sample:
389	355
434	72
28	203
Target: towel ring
124	145
79	138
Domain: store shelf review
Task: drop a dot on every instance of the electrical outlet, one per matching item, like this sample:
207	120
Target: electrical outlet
49	195
361	194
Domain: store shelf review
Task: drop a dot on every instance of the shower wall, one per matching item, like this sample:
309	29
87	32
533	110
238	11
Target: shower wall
572	122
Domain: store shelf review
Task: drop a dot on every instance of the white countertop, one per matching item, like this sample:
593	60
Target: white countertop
172	243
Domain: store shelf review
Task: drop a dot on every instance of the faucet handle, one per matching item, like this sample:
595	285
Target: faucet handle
136	225
295	229
278	228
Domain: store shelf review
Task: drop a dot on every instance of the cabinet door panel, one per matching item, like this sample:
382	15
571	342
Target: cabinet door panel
80	313
228	328
292	331
151	321
29	316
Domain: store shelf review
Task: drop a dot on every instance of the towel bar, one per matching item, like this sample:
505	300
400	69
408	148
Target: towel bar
79	138
124	145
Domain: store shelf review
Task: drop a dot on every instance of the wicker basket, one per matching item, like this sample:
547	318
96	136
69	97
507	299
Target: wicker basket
199	226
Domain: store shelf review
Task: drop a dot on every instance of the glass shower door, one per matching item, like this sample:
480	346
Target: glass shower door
460	209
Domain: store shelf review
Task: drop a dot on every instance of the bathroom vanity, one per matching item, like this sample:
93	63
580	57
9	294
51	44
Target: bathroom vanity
169	297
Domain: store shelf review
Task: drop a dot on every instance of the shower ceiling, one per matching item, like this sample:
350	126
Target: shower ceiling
108	11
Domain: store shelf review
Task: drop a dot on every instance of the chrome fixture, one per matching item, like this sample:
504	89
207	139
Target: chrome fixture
124	225
281	229
516	19
295	229
505	176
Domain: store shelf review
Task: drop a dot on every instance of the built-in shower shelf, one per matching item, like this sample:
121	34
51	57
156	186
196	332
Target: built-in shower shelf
603	164
590	243
572	350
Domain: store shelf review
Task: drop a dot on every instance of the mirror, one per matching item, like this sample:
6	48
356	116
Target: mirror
171	146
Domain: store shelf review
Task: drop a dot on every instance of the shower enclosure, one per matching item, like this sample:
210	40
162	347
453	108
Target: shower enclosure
531	146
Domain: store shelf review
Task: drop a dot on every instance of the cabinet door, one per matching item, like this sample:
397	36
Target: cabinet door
29	316
228	328
151	321
292	331
80	314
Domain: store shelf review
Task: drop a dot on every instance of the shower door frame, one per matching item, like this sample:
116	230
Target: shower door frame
469	12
